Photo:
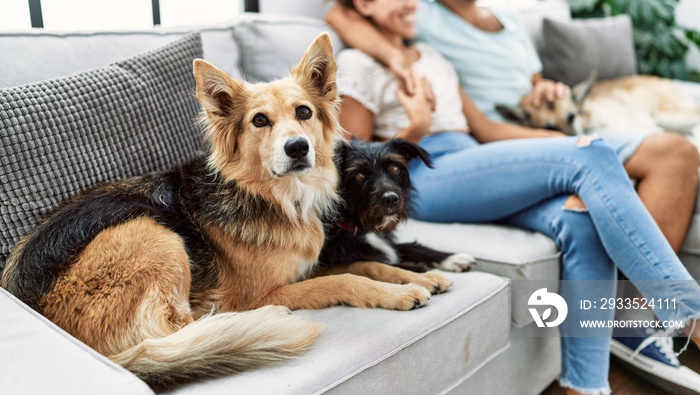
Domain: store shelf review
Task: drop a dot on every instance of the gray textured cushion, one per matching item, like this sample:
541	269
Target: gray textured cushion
520	255
32	56
270	45
377	351
60	136
573	49
40	358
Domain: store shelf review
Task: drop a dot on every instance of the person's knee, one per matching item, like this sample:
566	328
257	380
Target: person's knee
669	154
675	143
688	154
673	150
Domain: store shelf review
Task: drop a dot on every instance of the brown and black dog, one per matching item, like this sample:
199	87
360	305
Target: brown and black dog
375	188
152	271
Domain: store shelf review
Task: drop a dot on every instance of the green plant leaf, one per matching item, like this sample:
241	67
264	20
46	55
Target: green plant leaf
693	36
582	5
662	9
694	75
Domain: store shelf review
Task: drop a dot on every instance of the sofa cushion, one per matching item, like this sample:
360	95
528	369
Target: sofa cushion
270	45
572	49
520	255
40	358
61	136
529	366
380	351
37	55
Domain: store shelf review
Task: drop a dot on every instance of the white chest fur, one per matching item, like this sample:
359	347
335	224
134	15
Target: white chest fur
382	245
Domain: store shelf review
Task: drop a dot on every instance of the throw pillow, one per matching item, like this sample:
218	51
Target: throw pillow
270	45
572	49
61	136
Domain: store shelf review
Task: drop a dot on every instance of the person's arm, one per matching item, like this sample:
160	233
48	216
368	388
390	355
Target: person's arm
359	33
356	119
485	130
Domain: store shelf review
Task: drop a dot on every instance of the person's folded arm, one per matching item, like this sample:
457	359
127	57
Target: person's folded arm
485	130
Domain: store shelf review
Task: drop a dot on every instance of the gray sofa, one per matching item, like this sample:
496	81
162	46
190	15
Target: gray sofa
473	339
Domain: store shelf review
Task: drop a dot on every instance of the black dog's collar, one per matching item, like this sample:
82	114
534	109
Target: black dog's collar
348	227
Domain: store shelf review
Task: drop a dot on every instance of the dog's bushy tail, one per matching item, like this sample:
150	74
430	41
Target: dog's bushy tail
218	345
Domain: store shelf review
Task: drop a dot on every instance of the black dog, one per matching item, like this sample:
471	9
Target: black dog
376	189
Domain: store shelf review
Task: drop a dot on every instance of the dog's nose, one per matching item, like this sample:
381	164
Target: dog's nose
296	147
390	199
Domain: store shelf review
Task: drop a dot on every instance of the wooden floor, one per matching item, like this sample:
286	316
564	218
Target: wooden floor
625	381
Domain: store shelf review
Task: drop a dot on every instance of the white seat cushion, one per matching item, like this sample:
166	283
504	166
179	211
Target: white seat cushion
390	352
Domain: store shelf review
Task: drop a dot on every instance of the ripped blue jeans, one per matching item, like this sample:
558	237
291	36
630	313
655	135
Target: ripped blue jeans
525	183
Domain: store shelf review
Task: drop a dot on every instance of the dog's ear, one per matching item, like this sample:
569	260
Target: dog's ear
316	72
581	90
410	151
515	114
219	95
217	92
342	148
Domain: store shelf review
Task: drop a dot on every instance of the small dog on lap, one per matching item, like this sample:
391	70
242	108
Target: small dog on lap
375	187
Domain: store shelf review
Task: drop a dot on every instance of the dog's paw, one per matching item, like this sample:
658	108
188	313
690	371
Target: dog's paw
434	281
404	297
457	263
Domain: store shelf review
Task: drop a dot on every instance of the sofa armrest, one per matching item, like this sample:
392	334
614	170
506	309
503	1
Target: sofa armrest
37	357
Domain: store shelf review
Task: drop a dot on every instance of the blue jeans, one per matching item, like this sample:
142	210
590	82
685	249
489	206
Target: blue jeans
525	183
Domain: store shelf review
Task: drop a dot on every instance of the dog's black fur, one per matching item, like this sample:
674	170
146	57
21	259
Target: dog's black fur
374	186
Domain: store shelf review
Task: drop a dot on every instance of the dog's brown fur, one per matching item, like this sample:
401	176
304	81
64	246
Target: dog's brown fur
91	300
434	281
231	232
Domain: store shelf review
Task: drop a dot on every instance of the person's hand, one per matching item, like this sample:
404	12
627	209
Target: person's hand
547	91
419	106
401	67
